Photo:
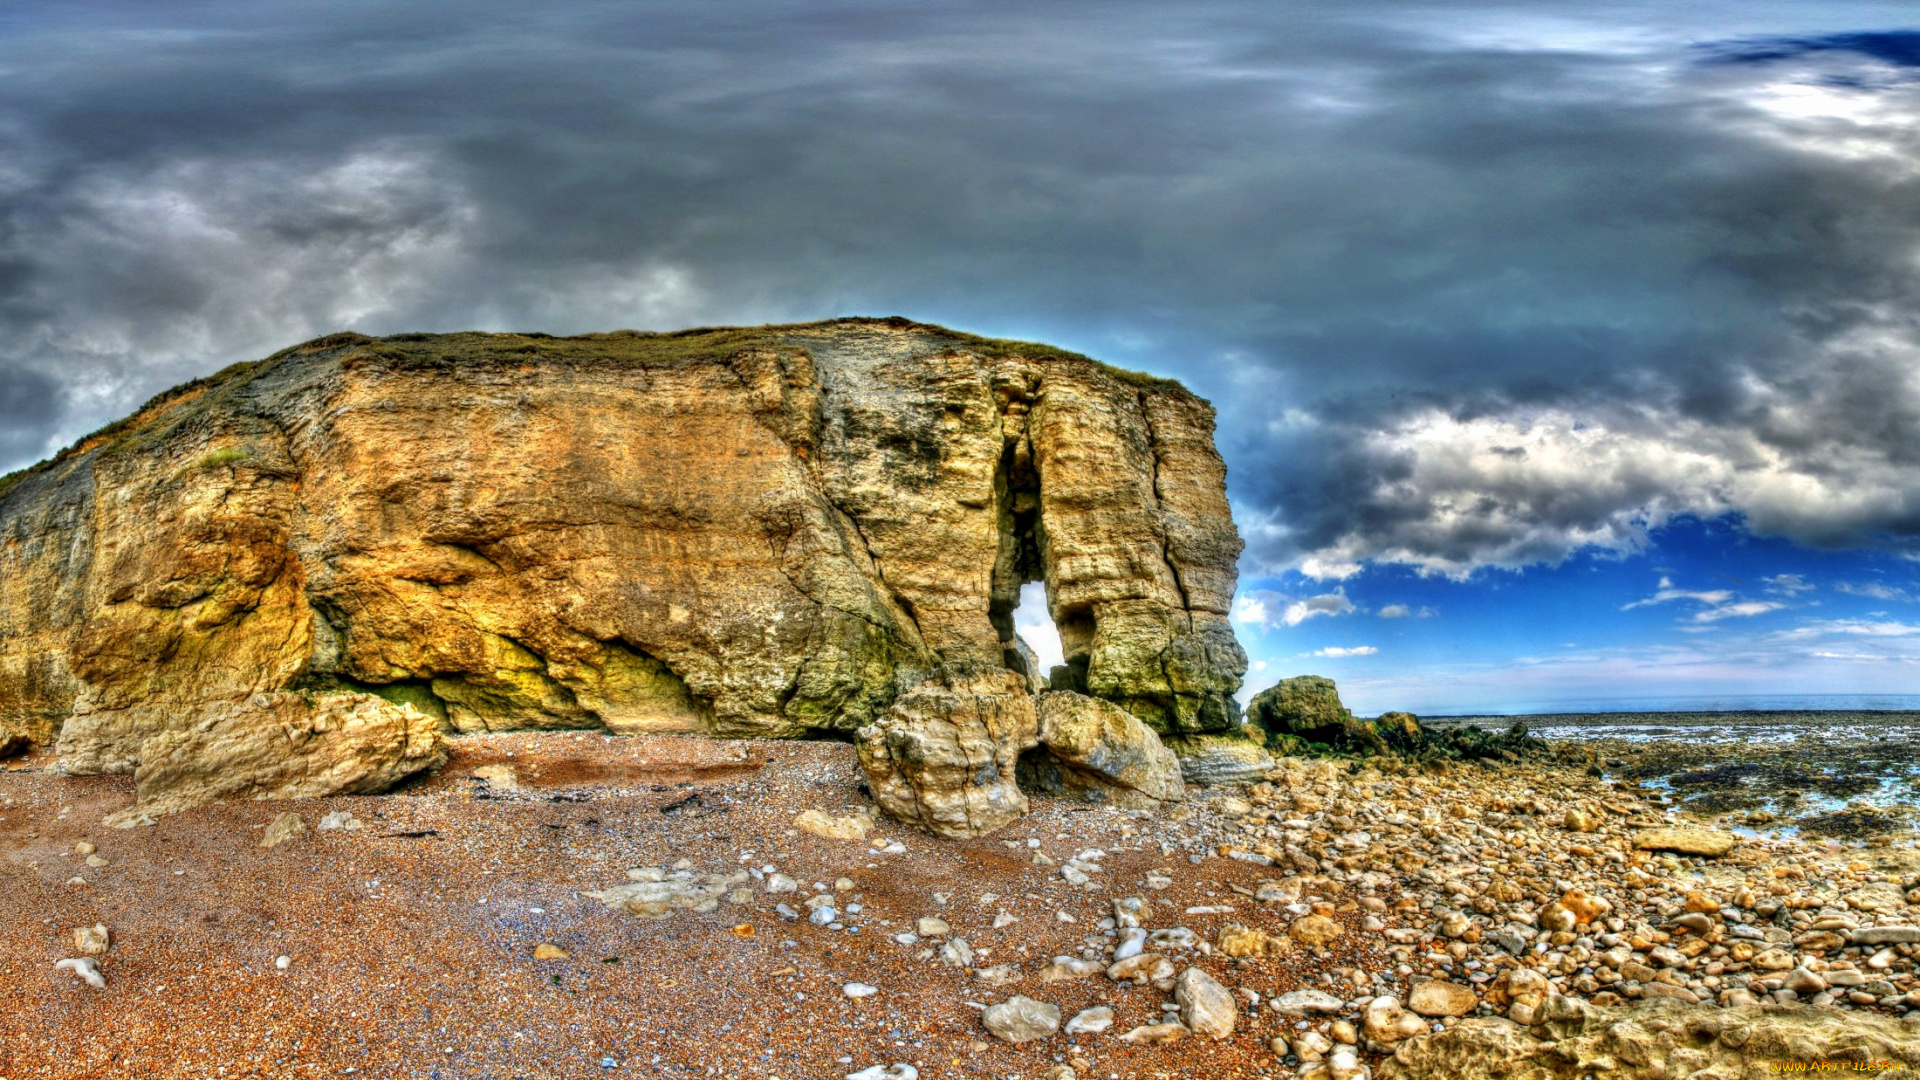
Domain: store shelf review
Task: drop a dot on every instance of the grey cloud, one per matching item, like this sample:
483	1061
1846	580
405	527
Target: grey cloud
1467	293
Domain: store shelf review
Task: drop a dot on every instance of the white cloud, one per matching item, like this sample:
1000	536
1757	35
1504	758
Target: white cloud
1335	652
1787	584
1742	610
1257	608
1333	603
1667	592
1850	628
1402	611
1875	590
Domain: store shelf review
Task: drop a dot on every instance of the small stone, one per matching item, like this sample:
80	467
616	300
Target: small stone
1311	1045
932	927
1133	942
1554	918
549	951
340	821
1069	968
283	962
1525	986
498	777
1711	843
1302	1002
1578	820
828	827
900	1071
1436	997
1314	930
1155	1034
282	829
1387	1021
1141	970
90	940
1343	1031
998	974
1239	940
781	883
1090	1021
84	968
955	952
1884	935
1205	1006
1585	906
84	847
857	990
1802	981
1021	1019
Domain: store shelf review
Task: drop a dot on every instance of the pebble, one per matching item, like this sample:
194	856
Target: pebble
1437	997
899	1071
1205	1006
1155	1034
858	990
1091	1021
340	821
84	968
90	940
1314	930
282	829
1302	1002
1021	1019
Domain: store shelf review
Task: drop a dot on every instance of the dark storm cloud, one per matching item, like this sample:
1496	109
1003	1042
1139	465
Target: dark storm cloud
1472	286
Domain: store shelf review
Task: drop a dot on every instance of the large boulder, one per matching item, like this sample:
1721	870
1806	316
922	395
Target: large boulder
1307	709
1098	752
944	757
284	746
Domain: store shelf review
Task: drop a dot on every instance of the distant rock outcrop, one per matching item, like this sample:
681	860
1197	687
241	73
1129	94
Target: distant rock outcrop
737	532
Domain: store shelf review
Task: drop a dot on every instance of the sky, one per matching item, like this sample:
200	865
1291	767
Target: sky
1565	354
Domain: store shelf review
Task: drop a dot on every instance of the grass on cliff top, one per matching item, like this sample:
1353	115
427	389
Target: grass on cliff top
165	412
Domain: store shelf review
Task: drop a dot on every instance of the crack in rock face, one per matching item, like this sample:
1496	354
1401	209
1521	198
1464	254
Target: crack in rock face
307	575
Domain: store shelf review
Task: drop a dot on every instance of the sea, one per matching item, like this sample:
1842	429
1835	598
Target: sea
1844	767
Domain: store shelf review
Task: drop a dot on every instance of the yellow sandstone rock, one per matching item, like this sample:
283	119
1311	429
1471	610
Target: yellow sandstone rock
299	576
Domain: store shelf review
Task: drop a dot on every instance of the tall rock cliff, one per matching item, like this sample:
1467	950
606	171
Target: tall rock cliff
302	574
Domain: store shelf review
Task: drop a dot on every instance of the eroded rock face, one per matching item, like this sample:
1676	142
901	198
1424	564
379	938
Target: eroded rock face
1098	752
734	532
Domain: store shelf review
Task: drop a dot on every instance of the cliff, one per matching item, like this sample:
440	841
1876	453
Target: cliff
301	575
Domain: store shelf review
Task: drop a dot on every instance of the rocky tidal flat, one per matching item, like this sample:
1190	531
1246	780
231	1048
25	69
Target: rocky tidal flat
567	904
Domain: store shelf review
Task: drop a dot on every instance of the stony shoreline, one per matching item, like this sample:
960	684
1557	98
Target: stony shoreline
734	909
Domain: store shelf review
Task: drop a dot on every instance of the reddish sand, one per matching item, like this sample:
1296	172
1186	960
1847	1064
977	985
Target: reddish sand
411	941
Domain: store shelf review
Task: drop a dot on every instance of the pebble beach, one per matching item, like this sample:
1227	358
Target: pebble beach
566	905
